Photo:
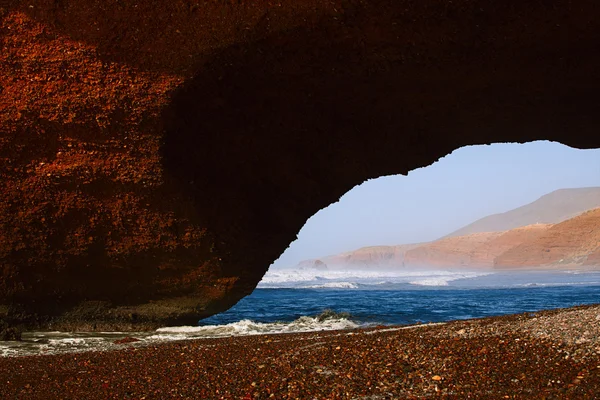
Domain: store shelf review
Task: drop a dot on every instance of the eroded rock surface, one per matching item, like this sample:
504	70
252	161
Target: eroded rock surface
155	156
572	242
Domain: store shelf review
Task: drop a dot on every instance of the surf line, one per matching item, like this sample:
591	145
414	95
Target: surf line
399	328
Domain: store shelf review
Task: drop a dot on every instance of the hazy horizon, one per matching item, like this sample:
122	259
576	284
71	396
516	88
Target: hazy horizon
430	202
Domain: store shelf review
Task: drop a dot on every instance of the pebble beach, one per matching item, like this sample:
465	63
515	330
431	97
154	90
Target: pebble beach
551	354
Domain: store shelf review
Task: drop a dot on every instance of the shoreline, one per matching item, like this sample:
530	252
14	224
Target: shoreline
544	354
135	323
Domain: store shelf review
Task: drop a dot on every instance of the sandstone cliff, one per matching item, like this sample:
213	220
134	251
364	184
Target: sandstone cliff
474	250
485	254
572	242
593	258
450	252
371	257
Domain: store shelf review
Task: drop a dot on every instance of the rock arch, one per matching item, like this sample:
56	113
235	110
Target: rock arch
156	161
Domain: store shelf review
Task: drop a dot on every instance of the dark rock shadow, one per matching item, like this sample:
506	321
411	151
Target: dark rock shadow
268	132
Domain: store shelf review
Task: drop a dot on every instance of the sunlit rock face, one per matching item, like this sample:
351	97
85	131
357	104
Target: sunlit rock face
155	156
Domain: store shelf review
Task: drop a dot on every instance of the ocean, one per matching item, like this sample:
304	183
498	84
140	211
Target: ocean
308	300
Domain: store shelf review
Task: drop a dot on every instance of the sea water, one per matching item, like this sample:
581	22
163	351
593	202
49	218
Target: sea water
307	300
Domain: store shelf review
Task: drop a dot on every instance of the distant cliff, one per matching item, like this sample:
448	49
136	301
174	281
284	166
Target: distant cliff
551	208
574	242
372	256
474	250
571	243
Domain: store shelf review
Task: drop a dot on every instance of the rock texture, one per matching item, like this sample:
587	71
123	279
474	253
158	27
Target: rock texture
486	254
474	250
156	156
572	242
450	252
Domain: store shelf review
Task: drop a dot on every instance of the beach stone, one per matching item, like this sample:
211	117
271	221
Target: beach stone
125	340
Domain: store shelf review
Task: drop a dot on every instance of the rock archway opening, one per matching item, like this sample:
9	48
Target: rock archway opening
474	234
444	199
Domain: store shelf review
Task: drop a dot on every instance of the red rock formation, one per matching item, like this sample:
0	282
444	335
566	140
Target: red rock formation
156	156
474	250
456	251
575	242
485	254
593	258
572	242
371	257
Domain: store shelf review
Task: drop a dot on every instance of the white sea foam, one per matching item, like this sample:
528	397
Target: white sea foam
444	278
288	278
431	282
35	343
351	279
333	285
555	284
247	327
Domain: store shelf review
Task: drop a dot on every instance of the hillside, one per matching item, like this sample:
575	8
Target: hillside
372	256
551	208
570	243
474	250
449	252
485	255
523	237
380	257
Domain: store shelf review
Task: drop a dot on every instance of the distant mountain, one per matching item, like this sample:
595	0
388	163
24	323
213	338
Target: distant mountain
560	229
372	256
571	243
574	242
475	250
551	208
380	257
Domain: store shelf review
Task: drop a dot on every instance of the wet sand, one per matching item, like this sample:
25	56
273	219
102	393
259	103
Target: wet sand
543	355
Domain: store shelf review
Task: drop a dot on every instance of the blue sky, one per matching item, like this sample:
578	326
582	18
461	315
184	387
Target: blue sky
430	202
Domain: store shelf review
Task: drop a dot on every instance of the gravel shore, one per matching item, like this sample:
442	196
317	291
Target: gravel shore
545	355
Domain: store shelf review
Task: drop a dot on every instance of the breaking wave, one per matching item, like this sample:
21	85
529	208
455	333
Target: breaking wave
35	343
431	282
322	322
357	279
333	285
444	280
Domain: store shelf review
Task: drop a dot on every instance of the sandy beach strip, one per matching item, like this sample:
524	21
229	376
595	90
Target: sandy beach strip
543	355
